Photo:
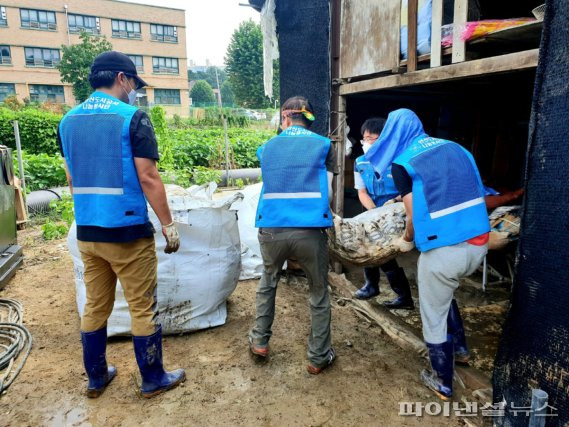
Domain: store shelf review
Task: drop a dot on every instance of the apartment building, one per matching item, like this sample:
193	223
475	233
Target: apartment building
32	33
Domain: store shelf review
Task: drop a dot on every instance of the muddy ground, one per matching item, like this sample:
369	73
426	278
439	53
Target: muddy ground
224	386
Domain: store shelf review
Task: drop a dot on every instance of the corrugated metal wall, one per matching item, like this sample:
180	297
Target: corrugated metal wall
534	351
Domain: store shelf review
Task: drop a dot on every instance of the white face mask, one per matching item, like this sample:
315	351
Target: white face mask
131	95
366	146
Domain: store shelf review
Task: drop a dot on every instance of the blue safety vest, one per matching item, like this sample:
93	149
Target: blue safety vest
295	181
95	137
448	195
379	189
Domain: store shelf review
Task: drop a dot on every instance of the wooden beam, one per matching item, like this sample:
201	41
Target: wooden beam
437	22
394	327
340	137
401	333
460	18
496	64
413	10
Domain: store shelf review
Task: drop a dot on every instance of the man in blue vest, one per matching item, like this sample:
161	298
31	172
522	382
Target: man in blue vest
374	190
110	153
448	223
292	215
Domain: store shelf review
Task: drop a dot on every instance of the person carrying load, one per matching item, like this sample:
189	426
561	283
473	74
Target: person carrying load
293	212
447	221
374	182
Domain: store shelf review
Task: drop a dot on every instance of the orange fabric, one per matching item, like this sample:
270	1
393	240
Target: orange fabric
479	240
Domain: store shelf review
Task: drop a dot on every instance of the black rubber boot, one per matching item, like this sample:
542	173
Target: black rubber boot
440	378
371	287
400	285
455	328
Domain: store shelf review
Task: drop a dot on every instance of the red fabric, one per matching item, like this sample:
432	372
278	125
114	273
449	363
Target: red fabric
479	240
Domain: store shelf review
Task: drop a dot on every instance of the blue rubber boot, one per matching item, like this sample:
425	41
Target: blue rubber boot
440	378
148	352
456	329
99	373
371	287
400	285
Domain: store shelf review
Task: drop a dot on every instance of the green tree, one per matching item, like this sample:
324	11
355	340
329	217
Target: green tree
227	96
202	92
209	76
244	65
76	63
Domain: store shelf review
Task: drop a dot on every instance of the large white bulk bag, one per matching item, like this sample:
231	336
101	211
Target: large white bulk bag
195	282
251	258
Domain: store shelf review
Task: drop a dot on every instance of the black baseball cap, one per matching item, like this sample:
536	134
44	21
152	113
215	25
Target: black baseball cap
119	63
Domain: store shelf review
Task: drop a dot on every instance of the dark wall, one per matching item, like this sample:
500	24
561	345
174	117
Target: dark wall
534	351
304	44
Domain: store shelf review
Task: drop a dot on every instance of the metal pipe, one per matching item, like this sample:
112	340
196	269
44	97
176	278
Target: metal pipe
224	125
539	406
67	24
19	150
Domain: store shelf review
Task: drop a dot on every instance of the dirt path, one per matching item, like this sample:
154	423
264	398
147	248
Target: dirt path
225	386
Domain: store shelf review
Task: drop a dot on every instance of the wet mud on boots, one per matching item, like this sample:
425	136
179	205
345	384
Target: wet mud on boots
94	358
439	379
155	380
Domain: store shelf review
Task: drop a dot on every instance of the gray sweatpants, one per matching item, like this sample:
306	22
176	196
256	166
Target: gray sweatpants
439	271
310	248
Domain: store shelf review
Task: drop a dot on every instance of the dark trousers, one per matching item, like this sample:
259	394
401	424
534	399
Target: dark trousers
310	248
395	276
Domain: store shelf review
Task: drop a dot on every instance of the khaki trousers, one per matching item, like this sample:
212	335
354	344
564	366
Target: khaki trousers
134	264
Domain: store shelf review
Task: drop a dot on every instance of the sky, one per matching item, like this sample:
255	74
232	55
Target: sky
209	25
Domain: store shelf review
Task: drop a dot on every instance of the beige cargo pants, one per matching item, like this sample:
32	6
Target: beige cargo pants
134	264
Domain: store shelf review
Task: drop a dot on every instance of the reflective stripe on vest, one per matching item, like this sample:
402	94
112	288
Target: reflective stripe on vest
95	137
448	195
295	181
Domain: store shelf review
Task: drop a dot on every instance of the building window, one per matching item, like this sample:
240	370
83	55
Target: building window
3	17
89	24
126	29
163	33
43	93
165	65
41	57
167	96
5	56
38	19
6	90
137	59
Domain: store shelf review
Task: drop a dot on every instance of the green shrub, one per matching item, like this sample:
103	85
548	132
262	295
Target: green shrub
206	147
38	130
42	171
204	175
61	218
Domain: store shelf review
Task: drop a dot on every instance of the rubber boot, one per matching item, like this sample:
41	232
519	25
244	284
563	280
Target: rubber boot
400	285
371	286
99	373
456	329
440	378
148	352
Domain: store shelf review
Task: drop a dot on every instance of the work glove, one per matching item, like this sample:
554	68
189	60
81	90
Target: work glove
172	237
404	245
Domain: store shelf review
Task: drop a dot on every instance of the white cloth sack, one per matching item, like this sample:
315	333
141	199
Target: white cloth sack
195	282
251	259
